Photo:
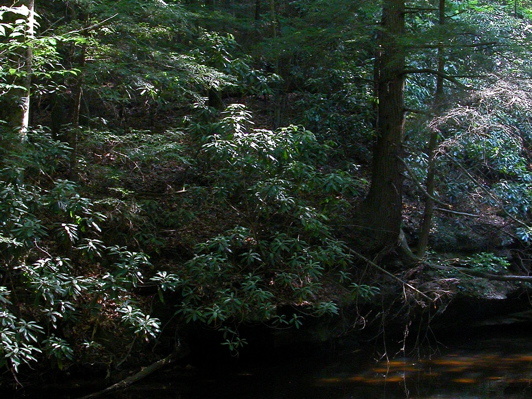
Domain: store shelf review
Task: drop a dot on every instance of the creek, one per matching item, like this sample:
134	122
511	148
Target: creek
491	363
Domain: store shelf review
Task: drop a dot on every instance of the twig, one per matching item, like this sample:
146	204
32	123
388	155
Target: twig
419	184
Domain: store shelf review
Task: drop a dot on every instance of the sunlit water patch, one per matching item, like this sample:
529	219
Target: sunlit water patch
457	375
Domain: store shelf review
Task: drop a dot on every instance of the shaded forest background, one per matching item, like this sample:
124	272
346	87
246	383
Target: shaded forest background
175	169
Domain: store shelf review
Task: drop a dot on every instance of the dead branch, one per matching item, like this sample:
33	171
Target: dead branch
438	73
470	215
94	26
476	273
442	45
143	373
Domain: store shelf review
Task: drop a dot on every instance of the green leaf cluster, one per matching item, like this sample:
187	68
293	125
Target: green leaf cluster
57	273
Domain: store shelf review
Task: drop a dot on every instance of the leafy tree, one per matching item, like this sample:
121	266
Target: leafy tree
493	50
412	56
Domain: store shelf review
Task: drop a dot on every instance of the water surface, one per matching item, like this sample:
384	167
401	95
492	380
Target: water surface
488	366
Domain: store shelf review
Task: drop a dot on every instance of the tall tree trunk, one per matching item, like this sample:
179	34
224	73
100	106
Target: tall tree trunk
15	104
430	182
26	100
77	93
380	214
277	95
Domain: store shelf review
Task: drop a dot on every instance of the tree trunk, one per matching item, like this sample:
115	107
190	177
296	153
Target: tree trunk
74	132
30	35
380	214
277	94
432	146
15	104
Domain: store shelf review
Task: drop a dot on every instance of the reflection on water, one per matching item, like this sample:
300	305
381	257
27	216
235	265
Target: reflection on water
485	368
484	375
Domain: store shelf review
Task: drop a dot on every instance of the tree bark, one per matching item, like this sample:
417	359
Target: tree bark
15	104
380	214
26	100
76	113
277	95
428	212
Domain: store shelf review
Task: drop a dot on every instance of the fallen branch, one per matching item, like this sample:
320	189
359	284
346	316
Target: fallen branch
471	215
143	373
477	273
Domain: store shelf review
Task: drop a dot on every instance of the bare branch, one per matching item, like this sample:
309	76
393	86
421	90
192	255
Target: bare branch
438	73
442	45
419	111
94	26
470	272
471	215
413	10
143	373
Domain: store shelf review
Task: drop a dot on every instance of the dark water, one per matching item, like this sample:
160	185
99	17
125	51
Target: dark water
488	366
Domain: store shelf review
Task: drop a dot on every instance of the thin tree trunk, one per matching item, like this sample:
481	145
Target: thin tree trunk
26	99
432	146
277	96
76	112
380	214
